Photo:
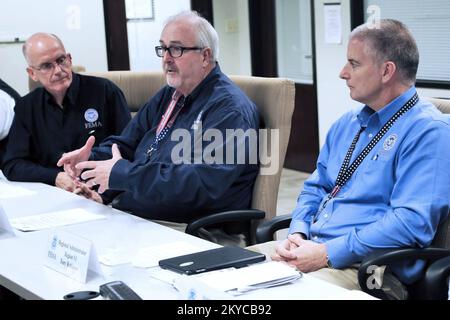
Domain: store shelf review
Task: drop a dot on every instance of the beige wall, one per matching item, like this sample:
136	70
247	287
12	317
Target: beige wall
234	44
332	94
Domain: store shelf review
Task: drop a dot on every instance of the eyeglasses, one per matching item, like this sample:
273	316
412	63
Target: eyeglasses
47	67
174	51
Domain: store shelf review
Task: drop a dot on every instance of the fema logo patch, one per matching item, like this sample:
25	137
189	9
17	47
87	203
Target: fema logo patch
54	242
91	115
390	142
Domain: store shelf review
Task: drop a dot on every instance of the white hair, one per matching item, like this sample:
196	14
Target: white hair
206	34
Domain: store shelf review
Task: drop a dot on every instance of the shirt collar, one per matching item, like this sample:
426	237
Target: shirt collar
214	73
391	108
384	114
364	116
71	93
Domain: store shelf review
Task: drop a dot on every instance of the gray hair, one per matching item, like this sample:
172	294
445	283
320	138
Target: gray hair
391	41
206	34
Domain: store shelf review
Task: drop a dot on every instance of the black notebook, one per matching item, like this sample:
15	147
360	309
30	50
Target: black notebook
213	259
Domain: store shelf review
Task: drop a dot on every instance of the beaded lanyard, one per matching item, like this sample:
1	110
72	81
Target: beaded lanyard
345	172
165	125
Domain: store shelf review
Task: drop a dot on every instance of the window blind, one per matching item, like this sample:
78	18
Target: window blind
429	22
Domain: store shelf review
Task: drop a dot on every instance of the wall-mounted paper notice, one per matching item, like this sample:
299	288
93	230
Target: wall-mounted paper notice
333	23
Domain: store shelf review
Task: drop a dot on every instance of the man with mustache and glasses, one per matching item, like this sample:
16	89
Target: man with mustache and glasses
60	116
138	165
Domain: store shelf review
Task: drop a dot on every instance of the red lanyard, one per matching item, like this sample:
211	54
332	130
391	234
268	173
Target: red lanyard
164	125
166	116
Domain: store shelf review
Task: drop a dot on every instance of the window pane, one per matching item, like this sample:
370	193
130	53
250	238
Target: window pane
294	50
429	22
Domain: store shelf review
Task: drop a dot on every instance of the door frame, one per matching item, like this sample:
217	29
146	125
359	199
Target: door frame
116	35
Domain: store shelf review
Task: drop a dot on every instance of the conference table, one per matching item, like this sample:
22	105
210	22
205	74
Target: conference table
23	255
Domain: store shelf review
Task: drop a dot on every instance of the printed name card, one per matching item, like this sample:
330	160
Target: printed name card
5	226
72	256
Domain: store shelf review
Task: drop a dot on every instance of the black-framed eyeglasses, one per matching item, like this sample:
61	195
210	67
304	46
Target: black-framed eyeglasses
47	67
174	51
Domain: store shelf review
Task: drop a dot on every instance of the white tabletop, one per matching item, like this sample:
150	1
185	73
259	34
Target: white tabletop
23	270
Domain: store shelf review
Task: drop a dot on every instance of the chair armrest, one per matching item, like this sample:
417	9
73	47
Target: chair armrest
221	217
436	279
389	256
265	231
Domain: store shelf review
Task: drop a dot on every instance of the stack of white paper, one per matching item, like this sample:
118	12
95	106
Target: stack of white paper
253	277
53	219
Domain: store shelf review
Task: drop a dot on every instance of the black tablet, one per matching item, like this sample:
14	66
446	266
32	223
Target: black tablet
214	259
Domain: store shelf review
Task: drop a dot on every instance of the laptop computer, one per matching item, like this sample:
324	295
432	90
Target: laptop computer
214	259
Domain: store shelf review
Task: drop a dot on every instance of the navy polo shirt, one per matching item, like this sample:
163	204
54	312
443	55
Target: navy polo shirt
42	131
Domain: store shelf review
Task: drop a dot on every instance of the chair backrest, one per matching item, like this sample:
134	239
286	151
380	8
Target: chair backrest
275	98
442	104
442	238
138	87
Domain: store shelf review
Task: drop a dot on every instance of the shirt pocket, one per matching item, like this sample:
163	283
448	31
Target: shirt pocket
377	173
377	162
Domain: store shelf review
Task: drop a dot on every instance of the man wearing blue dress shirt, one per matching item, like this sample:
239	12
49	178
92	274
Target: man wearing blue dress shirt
383	176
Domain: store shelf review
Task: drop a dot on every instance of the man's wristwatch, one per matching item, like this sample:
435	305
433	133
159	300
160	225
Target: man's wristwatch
302	235
329	265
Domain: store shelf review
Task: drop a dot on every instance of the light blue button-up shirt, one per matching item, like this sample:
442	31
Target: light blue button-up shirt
397	196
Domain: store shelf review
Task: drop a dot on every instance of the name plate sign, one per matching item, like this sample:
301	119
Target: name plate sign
72	256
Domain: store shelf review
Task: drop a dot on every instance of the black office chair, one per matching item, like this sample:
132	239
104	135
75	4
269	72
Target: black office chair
421	289
437	277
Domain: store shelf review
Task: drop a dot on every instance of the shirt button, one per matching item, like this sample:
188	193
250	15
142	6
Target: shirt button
370	135
316	238
325	215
